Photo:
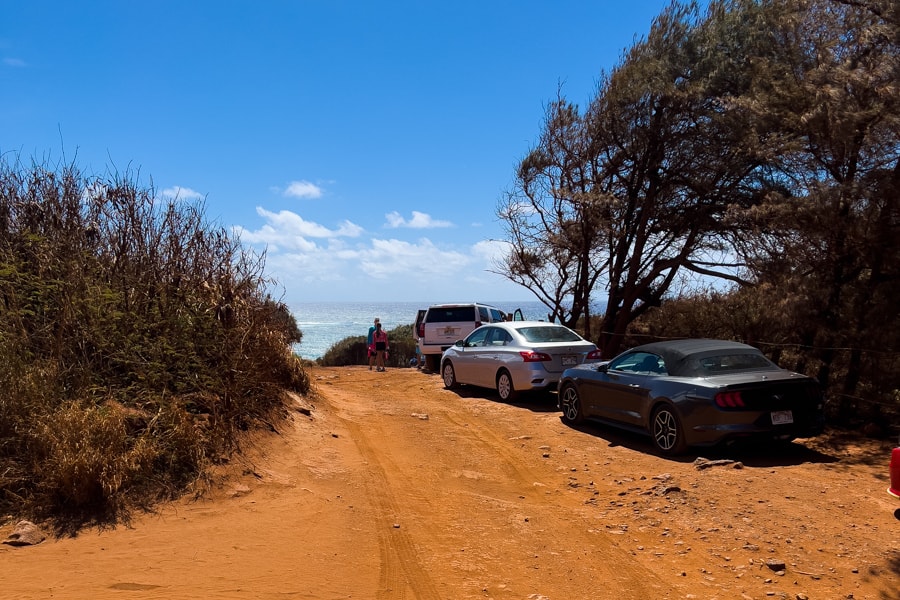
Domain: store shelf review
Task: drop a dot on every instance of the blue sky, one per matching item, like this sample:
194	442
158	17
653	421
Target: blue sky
364	145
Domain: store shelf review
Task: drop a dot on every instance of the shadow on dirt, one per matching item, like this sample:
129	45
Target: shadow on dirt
753	455
893	565
538	402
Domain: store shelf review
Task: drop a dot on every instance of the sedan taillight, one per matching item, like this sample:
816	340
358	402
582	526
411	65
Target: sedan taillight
532	356
730	400
594	355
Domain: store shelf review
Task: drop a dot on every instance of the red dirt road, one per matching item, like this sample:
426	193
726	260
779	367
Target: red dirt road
394	488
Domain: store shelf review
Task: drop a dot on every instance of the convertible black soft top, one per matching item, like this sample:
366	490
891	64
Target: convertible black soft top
682	356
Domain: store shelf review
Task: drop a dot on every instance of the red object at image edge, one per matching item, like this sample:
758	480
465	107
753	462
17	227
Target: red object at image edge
894	490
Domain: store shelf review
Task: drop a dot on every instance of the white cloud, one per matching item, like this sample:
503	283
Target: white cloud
303	189
288	230
421	259
14	62
177	192
313	262
491	252
419	220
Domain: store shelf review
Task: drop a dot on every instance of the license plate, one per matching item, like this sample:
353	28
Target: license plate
449	331
569	360
782	417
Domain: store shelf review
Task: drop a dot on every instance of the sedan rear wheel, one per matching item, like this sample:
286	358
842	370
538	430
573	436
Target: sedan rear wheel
570	405
505	387
449	376
668	435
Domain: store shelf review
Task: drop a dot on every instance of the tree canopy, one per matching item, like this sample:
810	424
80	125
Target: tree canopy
720	146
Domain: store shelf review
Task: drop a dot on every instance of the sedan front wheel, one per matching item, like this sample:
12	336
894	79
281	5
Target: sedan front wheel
570	405
668	435
449	376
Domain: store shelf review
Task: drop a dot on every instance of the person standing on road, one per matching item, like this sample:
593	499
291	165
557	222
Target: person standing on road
370	343
380	340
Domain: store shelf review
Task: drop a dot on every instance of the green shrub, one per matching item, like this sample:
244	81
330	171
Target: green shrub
137	342
353	351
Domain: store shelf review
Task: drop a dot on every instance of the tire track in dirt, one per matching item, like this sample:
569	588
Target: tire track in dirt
481	504
401	571
502	501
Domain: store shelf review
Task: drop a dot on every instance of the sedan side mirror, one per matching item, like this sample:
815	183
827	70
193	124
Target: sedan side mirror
603	367
459	344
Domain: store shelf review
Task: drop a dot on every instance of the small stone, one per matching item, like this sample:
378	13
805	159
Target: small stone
775	564
25	533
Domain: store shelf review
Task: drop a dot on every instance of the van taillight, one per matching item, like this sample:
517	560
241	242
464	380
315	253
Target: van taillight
477	324
730	400
422	329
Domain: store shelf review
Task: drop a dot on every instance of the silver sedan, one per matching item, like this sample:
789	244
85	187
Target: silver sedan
516	356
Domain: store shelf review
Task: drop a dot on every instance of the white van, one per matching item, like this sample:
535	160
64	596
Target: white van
443	324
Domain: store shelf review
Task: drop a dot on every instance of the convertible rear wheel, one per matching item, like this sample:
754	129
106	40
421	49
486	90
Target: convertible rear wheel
667	432
570	405
449	376
505	387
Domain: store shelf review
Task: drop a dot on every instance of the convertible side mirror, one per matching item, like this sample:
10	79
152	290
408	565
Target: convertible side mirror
459	344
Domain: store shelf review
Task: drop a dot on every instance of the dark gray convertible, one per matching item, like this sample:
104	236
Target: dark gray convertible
694	393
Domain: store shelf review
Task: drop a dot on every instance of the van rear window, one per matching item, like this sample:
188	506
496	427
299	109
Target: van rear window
451	314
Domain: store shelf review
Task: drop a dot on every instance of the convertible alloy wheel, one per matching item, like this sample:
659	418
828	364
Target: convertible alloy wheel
449	376
666	431
505	386
570	405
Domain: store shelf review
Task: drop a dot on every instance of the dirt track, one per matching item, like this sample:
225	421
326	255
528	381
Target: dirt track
395	488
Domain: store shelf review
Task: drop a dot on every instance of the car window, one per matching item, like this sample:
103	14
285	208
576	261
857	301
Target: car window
477	337
497	337
734	362
450	314
496	315
639	362
548	334
483	314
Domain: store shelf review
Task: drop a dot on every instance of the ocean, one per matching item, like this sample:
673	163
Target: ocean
325	323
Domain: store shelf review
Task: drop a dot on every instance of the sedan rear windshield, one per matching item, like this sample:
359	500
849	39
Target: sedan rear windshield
452	314
734	362
548	334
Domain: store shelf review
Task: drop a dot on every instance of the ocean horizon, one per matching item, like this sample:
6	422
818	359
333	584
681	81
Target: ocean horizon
323	324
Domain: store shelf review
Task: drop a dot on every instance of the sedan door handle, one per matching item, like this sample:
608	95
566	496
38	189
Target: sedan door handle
633	385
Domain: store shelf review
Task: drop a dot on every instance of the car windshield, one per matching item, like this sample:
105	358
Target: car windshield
548	334
734	362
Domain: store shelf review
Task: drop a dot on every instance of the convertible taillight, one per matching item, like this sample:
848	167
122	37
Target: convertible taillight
532	356
730	400
594	355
